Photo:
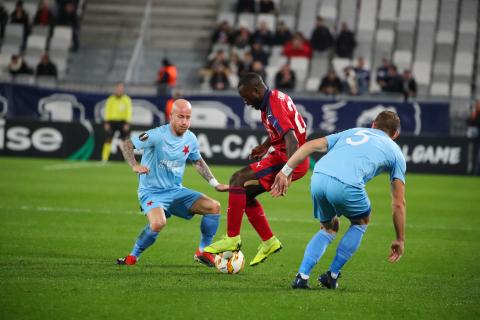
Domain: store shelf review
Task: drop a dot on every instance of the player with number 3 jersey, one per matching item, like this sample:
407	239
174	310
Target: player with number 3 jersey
353	158
286	133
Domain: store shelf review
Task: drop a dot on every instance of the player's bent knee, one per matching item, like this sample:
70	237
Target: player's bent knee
158	225
216	207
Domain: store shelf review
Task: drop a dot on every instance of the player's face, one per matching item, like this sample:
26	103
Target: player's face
180	120
251	96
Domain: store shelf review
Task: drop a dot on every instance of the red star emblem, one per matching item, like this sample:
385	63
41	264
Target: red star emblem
149	203
186	150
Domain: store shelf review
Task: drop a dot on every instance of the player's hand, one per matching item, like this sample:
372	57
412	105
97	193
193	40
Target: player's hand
258	152
222	187
106	126
141	169
280	185
126	127
396	252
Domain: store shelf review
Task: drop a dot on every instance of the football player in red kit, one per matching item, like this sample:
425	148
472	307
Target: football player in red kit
286	133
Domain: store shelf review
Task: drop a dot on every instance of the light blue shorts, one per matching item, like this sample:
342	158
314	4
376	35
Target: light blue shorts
331	198
176	202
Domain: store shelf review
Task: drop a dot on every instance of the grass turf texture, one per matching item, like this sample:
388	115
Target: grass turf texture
63	224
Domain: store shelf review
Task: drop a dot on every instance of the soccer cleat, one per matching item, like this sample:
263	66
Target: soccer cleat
226	244
300	283
205	258
128	260
265	249
327	281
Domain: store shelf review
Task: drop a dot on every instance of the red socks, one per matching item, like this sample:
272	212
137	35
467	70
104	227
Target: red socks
236	207
259	221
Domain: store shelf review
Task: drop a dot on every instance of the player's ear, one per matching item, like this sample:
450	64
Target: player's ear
396	134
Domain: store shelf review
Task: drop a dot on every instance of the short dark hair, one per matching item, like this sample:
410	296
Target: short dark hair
387	121
251	79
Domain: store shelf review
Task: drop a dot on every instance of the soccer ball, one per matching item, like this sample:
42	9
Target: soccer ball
230	262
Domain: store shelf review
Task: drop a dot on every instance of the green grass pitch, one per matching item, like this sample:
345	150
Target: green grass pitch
63	224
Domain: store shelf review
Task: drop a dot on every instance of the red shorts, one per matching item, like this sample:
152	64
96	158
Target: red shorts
266	169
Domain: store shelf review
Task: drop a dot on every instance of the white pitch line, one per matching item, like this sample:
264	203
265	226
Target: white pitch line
73	165
47	209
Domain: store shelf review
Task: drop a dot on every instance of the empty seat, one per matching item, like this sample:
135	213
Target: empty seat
269	19
440	89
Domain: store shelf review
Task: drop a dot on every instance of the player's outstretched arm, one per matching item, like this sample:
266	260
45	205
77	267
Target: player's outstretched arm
281	183
205	172
127	151
399	216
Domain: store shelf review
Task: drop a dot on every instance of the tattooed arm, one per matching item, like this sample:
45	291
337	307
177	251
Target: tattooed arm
127	151
203	169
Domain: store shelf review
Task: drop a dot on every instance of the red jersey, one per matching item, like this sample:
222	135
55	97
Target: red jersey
280	115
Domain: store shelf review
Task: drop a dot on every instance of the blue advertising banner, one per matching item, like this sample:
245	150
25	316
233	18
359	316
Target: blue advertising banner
221	112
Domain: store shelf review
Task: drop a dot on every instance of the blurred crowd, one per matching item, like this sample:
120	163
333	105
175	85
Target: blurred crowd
249	51
49	14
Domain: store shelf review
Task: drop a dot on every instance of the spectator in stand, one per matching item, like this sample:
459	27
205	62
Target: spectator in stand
46	67
246	6
349	84
409	84
285	78
331	84
297	47
258	68
67	16
263	34
321	39
20	16
382	72
223	34
474	132
218	58
259	54
246	64
363	76
44	15
18	66
346	42
282	34
166	78
267	6
394	82
3	21
242	38
235	64
219	78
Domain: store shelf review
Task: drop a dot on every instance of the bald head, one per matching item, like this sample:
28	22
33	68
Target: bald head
180	105
180	117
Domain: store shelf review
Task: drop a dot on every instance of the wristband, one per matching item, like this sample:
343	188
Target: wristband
286	170
213	182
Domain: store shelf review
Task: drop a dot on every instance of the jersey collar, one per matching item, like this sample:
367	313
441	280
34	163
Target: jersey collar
266	99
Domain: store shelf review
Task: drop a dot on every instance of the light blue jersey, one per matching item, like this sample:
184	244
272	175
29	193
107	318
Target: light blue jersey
165	154
357	155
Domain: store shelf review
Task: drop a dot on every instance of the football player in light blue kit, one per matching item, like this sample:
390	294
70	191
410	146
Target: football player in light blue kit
160	191
353	158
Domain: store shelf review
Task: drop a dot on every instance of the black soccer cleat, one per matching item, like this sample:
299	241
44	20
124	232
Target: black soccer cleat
300	283
327	281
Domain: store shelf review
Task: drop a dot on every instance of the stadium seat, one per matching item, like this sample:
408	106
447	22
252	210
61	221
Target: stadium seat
312	84
306	17
269	19
461	90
